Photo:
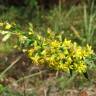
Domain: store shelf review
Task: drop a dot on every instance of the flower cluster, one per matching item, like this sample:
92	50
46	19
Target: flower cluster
6	30
55	52
60	55
6	25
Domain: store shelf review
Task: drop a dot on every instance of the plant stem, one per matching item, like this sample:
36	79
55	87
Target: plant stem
30	76
9	67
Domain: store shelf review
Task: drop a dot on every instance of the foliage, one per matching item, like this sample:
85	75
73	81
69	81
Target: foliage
31	3
53	50
1	88
5	30
57	53
5	91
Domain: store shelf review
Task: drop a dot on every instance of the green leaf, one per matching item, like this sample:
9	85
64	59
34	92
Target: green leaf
1	88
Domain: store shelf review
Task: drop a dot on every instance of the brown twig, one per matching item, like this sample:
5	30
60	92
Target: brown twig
9	67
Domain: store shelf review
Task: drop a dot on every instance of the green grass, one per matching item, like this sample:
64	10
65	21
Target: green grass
5	48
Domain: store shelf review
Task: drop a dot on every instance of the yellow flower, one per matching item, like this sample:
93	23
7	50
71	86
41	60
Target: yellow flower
35	59
22	38
55	43
61	55
44	52
66	52
8	26
41	61
89	49
67	43
69	60
30	52
30	33
82	67
78	52
63	67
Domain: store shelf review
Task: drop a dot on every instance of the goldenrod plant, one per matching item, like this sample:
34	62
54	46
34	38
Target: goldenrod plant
54	51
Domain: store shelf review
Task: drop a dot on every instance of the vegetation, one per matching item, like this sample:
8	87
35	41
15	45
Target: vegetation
49	49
